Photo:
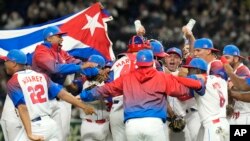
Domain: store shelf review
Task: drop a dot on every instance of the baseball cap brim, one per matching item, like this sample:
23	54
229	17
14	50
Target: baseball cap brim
162	54
4	58
187	66
144	64
241	57
61	33
168	52
215	50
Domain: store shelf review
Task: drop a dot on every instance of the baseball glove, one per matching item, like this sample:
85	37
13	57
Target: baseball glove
177	124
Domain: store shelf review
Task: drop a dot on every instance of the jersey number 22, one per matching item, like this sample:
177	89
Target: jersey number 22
36	94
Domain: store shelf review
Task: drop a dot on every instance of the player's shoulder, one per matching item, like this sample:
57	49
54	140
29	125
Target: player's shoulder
121	62
243	70
13	81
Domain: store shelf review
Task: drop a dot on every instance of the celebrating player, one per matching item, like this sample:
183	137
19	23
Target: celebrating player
30	92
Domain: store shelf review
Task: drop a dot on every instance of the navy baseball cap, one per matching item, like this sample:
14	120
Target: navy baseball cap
144	58
232	50
15	56
197	63
204	43
175	50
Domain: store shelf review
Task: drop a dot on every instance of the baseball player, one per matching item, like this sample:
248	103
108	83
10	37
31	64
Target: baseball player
204	49
30	92
186	108
121	67
144	93
210	100
159	54
10	122
242	84
241	109
96	127
50	59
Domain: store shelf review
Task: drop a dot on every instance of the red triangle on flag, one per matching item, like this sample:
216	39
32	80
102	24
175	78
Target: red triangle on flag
88	27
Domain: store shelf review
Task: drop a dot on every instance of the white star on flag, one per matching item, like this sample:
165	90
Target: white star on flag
92	23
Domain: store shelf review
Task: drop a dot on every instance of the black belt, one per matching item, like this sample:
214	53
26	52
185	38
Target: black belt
115	101
190	109
36	119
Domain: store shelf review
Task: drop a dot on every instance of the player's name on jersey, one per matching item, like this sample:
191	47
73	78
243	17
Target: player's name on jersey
122	63
30	79
239	132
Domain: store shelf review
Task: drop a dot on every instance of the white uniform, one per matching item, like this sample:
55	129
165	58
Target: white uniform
188	110
241	109
10	122
95	127
33	87
122	66
214	127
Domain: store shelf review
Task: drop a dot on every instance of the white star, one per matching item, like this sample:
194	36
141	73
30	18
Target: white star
92	23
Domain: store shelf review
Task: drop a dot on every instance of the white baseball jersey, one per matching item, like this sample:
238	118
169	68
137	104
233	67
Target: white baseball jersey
34	87
95	126
31	88
213	103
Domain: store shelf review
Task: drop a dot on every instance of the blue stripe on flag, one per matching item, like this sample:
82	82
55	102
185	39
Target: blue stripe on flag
84	52
22	41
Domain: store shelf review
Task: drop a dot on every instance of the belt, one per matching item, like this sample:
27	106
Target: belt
190	110
216	121
116	101
100	121
37	118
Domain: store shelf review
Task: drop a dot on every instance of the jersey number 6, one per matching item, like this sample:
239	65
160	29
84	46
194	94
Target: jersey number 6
36	94
222	99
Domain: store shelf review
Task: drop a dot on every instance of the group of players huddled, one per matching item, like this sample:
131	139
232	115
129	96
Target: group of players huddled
134	98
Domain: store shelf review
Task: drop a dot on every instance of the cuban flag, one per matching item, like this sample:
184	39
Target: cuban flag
86	34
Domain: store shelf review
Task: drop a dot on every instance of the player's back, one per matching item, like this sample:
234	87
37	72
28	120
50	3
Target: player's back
35	91
213	103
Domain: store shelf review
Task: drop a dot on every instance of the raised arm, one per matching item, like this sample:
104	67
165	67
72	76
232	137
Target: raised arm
238	82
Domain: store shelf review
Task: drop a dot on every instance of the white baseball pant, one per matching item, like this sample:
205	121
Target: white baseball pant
95	130
10	122
214	130
146	129
44	126
117	120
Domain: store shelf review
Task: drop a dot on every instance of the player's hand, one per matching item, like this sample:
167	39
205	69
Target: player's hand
88	110
103	75
141	31
88	65
187	33
36	138
183	72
